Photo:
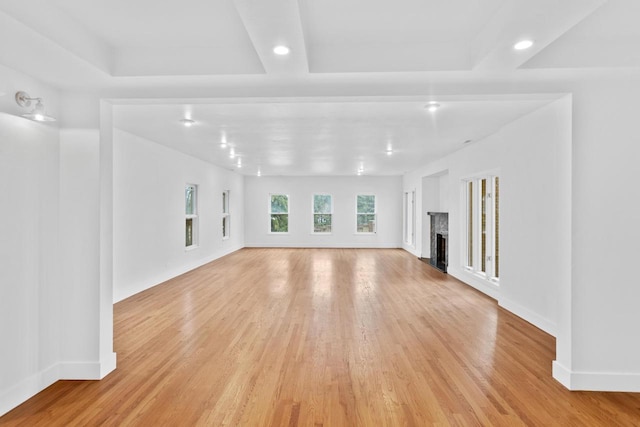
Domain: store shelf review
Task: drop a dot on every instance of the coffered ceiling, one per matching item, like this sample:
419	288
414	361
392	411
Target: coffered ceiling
333	103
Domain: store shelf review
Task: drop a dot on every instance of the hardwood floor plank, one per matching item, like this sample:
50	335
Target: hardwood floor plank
323	337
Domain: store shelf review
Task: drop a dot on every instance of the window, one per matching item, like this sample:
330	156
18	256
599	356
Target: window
226	217
191	215
409	217
279	211
322	213
482	218
365	213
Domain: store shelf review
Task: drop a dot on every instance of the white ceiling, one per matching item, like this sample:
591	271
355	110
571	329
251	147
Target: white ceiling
357	78
323	138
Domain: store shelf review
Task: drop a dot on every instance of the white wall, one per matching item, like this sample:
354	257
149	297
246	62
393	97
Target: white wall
80	251
29	258
600	325
435	198
388	191
149	181
531	156
50	300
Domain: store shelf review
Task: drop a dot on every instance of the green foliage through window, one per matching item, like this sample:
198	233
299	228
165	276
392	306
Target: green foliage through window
279	213
366	204
279	223
322	210
366	214
190	199
279	203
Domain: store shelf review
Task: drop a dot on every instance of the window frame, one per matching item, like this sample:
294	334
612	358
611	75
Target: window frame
480	245
409	218
314	213
288	213
226	215
375	214
193	217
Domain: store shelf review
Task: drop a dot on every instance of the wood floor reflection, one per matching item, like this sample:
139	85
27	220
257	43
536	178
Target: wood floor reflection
323	337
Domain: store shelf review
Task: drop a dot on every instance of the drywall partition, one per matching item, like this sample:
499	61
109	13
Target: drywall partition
49	277
343	189
30	266
435	194
149	213
531	156
601	350
80	255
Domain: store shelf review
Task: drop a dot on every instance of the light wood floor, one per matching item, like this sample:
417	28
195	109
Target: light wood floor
323	337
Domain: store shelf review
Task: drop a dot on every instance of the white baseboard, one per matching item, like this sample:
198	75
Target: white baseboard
561	374
306	245
26	389
119	295
528	315
596	381
411	250
88	370
29	387
468	279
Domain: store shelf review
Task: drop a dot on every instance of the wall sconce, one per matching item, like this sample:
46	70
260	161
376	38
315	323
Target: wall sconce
38	113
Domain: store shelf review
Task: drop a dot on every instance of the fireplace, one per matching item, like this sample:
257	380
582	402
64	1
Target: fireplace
439	257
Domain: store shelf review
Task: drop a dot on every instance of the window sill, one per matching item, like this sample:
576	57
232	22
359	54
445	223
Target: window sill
278	232
483	277
313	233
365	234
225	238
191	248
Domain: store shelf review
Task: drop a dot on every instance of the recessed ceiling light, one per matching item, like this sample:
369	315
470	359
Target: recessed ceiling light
239	162
187	122
259	173
281	50
523	44
389	152
232	153
432	106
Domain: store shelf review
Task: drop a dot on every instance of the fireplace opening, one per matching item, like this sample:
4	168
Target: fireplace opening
441	252
439	234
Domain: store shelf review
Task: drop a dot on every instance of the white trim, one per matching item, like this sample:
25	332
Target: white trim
596	381
351	245
561	374
148	283
87	370
484	286
524	313
17	394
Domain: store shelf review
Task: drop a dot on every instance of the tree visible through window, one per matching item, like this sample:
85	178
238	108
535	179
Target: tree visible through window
366	213
226	216
279	211
191	215
322	213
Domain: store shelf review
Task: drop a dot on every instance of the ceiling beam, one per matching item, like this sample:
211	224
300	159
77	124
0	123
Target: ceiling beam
270	23
542	21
